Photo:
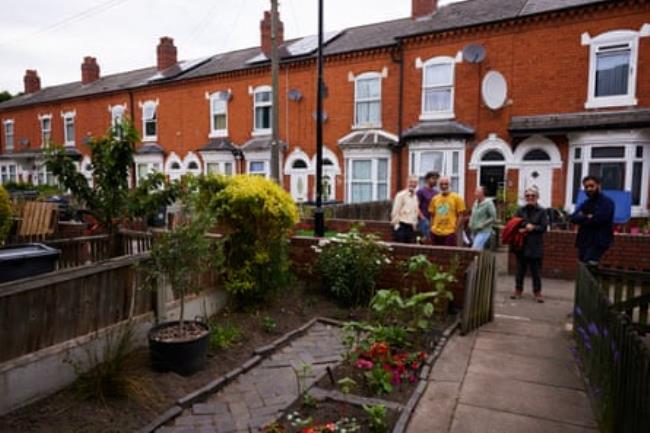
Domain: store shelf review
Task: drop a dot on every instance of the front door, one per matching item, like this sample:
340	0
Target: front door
299	186
537	176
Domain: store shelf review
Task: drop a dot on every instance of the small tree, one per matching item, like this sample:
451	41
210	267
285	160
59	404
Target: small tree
5	214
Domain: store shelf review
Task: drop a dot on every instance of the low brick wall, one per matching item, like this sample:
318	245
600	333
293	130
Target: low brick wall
561	256
382	228
303	259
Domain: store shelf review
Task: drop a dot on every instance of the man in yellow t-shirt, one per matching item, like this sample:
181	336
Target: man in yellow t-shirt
446	210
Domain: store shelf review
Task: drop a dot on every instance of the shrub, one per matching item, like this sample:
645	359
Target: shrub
349	265
224	336
257	216
5	214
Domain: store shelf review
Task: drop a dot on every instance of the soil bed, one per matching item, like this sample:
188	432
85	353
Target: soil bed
329	411
155	392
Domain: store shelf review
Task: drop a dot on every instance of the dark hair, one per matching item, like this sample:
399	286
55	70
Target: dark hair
431	174
590	177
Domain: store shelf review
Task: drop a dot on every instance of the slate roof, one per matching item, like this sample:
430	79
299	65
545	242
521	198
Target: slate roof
150	149
455	15
368	138
38	153
218	145
447	128
260	143
527	125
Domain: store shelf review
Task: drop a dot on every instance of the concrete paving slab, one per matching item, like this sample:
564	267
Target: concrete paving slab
471	419
527	329
452	363
525	398
544	371
551	311
525	346
435	409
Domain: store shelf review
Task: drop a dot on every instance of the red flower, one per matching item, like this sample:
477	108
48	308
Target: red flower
415	365
379	349
308	430
331	427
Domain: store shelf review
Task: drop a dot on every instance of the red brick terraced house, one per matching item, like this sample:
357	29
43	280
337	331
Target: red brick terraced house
505	93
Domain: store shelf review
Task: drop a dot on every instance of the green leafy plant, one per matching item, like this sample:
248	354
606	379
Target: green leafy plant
224	336
436	277
349	265
377	414
274	427
309	400
269	324
6	215
379	380
347	385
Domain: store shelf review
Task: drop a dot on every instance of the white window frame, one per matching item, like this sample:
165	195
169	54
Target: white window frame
189	158
174	173
332	171
628	139
222	97
439	60
5	172
373	155
599	44
9	123
153	163
44	176
146	105
262	89
117	114
69	116
41	119
447	148
221	159
367	76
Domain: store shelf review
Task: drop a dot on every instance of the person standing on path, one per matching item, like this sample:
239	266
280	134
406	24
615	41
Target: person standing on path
404	216
425	194
484	215
533	225
446	210
595	216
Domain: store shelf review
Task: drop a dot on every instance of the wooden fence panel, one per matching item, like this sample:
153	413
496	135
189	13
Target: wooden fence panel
479	292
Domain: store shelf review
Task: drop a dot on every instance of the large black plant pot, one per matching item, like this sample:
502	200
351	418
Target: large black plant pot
182	357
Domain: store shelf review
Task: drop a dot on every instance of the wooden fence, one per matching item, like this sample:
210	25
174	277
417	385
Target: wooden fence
370	211
81	250
609	319
480	282
42	311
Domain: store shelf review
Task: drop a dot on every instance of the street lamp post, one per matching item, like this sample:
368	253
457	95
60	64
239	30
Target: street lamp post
319	222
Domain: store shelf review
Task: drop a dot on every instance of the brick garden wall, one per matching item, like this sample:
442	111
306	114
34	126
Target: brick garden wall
303	258
560	254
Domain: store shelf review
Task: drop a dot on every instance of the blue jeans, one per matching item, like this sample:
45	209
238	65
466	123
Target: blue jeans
424	225
480	240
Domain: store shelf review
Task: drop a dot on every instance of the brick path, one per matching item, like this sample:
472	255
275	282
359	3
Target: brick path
260	395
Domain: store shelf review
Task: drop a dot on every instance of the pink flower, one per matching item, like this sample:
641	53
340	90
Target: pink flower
364	364
411	378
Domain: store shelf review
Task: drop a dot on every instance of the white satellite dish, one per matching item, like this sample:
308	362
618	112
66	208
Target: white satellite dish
494	90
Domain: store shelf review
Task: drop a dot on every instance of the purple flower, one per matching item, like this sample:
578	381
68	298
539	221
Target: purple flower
581	331
396	380
578	311
605	332
613	346
593	329
588	345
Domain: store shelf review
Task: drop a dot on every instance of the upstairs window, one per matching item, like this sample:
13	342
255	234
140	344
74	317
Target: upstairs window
68	128
438	88
262	101
219	114
367	97
117	115
612	67
9	135
46	129
149	120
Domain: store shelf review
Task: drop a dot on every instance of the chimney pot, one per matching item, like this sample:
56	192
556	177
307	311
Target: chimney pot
166	52
265	33
89	70
423	8
31	81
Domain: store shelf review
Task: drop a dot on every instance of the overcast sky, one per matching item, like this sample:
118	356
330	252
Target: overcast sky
54	36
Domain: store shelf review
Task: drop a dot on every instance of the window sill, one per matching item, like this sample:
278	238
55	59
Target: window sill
149	139
617	101
437	116
366	126
260	132
218	134
69	144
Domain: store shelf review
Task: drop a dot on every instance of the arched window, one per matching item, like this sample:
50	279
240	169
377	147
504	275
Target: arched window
192	165
175	166
493	155
536	155
299	163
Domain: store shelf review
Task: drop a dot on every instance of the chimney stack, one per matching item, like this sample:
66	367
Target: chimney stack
166	53
265	33
423	8
89	70
32	81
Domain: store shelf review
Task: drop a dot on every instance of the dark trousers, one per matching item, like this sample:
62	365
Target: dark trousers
447	241
534	265
590	254
405	234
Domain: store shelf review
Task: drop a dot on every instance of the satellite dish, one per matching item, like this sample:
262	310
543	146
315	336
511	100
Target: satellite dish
474	53
294	95
494	90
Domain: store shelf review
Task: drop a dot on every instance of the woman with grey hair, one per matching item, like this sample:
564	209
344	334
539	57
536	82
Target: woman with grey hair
533	226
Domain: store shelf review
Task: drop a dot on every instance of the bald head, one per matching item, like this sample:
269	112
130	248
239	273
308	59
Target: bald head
444	184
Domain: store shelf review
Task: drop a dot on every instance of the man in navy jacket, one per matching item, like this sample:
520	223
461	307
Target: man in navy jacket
595	216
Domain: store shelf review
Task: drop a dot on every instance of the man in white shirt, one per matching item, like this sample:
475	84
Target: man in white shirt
404	216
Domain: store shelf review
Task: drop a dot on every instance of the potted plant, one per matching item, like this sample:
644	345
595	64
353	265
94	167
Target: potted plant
179	257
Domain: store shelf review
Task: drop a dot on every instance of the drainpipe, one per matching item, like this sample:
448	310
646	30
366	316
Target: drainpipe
132	113
400	108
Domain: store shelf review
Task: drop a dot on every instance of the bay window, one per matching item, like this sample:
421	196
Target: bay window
447	159
368	178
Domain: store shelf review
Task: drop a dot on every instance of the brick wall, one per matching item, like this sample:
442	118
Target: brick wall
560	254
303	259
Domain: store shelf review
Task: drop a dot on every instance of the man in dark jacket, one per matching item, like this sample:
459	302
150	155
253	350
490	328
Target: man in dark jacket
533	226
595	216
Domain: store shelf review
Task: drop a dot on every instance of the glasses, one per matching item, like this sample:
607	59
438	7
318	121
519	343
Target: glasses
530	196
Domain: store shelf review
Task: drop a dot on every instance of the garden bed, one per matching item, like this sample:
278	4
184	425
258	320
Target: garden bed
155	392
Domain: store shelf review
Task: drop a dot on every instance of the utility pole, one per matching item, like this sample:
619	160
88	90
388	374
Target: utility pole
319	221
275	111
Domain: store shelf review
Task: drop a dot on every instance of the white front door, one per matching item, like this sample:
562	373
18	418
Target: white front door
299	186
540	177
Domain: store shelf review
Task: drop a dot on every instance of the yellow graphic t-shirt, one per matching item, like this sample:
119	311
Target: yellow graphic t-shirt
444	210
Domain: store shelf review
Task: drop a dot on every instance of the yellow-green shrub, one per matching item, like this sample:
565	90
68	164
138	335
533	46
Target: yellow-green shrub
258	215
5	214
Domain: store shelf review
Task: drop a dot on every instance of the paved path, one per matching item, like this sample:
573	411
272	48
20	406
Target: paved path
515	375
260	395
